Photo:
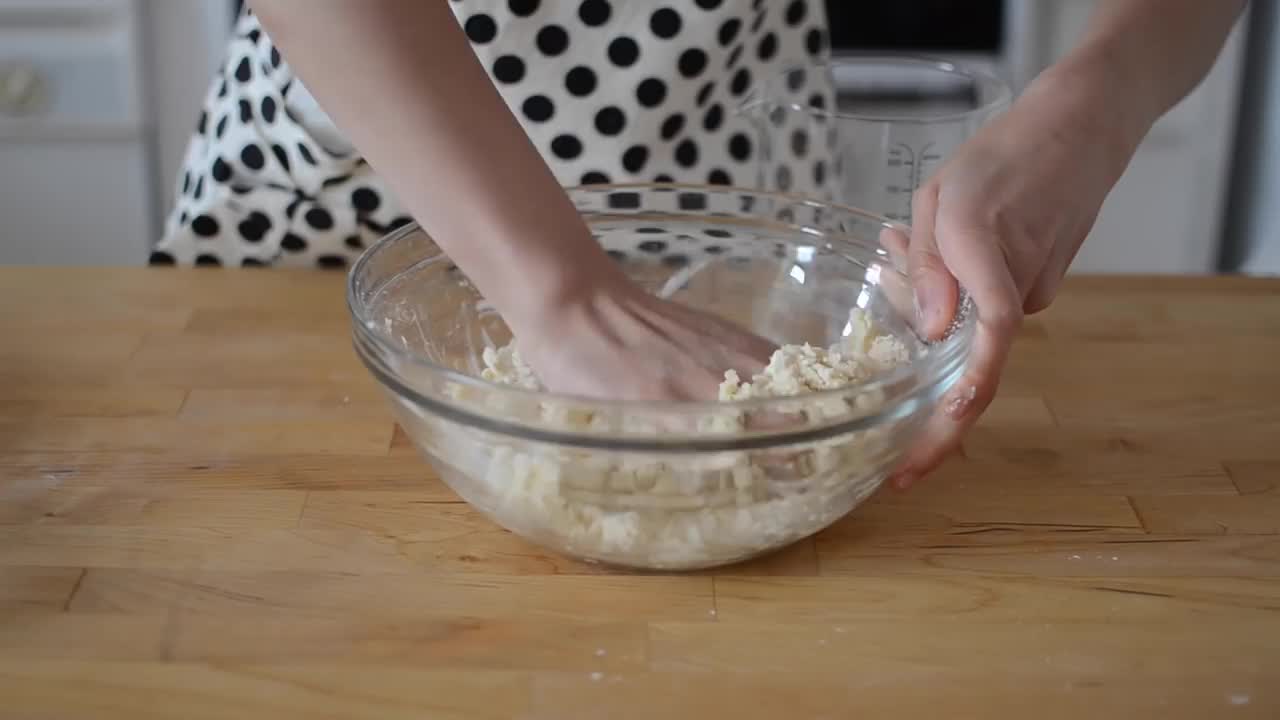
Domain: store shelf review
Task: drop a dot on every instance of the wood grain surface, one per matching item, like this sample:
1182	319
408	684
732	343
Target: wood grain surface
206	511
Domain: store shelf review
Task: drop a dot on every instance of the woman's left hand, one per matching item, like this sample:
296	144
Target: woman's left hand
1003	219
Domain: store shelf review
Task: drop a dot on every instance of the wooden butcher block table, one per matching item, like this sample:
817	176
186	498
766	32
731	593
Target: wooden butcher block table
206	511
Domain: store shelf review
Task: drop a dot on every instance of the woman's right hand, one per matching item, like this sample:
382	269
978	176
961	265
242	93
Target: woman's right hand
616	341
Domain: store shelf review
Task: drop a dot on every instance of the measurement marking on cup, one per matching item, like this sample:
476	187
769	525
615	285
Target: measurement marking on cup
902	155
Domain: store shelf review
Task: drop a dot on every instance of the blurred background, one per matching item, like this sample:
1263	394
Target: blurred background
98	98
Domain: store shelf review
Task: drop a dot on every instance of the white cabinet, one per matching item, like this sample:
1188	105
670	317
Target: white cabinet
1166	213
75	177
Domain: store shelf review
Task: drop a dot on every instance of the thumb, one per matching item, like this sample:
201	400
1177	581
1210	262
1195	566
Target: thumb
935	289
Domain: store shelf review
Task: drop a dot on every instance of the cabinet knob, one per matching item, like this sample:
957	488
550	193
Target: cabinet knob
21	89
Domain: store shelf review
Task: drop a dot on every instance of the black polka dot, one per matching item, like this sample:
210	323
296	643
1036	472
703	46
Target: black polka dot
355	242
693	201
675	260
182	217
617	255
275	58
400	222
687	154
594	178
768	47
480	29
254	35
714	118
740	147
319	218
728	31
222	89
221	170
663	178
758	21
580	81
813	41
800	142
552	40
205	226
709	4
244	71
252	157
566	147
246	112
159	257
221	128
203	123
816	100
610	120
796	12
251	262
634	159
538	108
783	177
523	8
704	93
717	233
652	247
651	92
624	52
672	126
254	227
665	23
734	56
241	189
281	156
305	152
719	177
186	182
692	62
199	190
819	172
268	109
293	243
331	262
365	200
594	13
624	200
650	231
713	249
741	81
207	260
508	69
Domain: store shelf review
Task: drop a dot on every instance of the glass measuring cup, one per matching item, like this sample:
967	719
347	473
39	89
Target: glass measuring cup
867	131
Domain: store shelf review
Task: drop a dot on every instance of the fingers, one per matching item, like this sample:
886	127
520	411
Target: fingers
978	264
935	289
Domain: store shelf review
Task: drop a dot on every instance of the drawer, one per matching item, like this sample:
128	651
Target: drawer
69	68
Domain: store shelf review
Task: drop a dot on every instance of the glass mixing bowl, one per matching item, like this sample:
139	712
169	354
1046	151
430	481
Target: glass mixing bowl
670	486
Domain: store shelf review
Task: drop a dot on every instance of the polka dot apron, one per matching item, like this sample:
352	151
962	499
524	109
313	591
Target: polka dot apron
609	91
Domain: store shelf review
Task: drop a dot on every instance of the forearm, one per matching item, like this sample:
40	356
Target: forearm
400	79
1143	56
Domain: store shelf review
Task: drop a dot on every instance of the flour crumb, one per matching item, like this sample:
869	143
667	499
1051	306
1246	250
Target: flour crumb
600	652
1238	698
597	676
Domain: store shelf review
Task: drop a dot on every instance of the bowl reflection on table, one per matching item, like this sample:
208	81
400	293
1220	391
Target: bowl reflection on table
664	485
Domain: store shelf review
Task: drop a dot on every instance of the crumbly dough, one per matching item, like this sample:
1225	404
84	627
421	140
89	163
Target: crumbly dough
684	511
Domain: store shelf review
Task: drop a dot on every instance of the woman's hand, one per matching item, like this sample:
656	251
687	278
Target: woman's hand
618	341
1002	219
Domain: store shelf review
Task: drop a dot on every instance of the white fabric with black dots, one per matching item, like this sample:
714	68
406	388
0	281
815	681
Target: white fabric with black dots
609	91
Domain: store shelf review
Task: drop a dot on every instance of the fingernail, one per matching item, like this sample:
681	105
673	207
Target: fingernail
927	306
960	402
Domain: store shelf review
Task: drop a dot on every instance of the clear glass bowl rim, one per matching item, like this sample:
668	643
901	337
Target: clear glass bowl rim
920	376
